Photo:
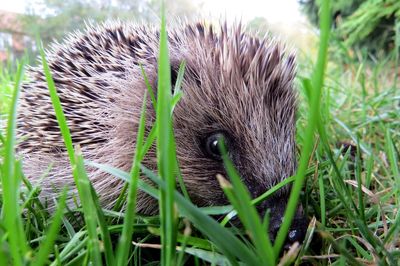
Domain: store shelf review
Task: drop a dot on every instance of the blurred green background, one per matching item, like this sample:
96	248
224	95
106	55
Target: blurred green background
369	26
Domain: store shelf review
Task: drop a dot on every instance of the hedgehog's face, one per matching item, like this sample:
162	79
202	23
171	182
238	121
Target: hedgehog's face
263	151
250	102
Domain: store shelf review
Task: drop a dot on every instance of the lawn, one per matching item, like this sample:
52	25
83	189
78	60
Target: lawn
348	179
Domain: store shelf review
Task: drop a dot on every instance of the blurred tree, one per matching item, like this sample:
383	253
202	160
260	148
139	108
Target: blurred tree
339	8
370	25
52	19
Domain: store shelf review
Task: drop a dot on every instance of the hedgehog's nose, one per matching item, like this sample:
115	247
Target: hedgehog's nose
298	229
296	235
297	232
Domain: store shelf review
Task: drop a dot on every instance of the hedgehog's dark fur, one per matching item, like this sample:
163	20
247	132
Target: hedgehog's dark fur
233	83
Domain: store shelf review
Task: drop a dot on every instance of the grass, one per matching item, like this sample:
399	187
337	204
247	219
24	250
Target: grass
166	157
10	212
353	194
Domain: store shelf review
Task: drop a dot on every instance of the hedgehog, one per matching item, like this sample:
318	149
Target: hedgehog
235	85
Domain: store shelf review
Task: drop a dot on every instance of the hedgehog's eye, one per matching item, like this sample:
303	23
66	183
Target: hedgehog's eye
211	145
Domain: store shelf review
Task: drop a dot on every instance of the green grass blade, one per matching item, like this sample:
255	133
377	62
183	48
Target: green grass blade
216	210
322	197
47	244
317	83
165	150
273	190
175	99
179	79
4	258
121	199
361	204
149	88
149	141
266	194
10	180
394	230
105	234
55	100
148	189
240	198
394	162
75	244
207	256
127	231
189	240
2	140
178	84
79	173
89	210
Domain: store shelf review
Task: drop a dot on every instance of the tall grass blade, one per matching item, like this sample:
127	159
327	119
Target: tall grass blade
78	171
240	198
89	210
47	244
166	158
10	180
105	234
149	88
55	100
127	230
148	189
317	83
266	194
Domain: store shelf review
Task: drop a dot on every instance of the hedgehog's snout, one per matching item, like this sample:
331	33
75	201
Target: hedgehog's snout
298	229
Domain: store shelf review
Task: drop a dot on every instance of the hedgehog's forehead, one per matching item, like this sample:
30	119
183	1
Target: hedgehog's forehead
232	57
234	72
